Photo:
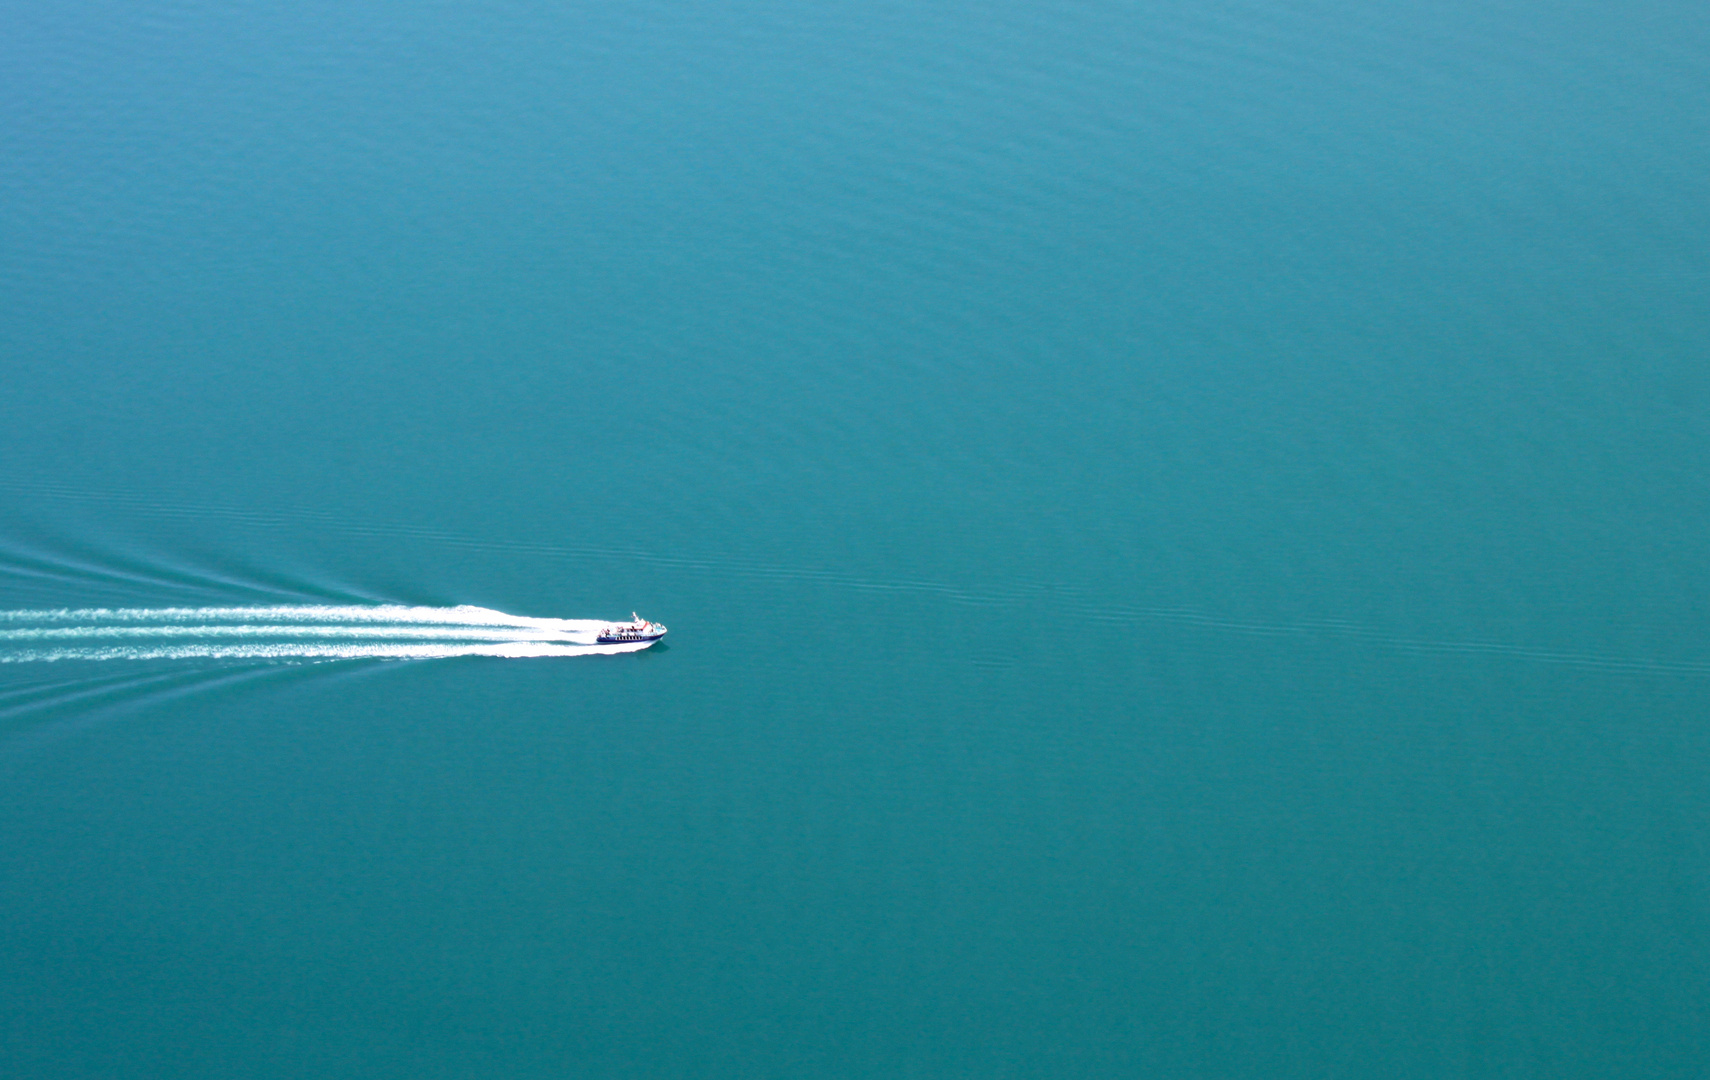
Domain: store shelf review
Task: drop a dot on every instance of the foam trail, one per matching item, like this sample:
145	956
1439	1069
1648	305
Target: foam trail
307	631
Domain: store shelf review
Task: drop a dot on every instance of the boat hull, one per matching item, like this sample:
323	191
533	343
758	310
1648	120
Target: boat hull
636	632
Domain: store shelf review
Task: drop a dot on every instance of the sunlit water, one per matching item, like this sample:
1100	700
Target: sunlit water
1182	528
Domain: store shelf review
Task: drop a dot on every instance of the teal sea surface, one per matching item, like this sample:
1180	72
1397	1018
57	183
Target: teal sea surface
1183	528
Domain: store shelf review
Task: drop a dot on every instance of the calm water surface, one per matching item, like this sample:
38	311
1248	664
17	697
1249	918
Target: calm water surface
1182	528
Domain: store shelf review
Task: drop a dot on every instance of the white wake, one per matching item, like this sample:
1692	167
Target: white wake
293	631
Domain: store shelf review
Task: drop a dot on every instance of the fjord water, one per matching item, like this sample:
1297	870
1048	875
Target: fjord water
1182	527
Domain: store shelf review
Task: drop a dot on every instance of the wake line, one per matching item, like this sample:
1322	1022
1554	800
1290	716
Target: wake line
293	631
274	630
515	650
301	613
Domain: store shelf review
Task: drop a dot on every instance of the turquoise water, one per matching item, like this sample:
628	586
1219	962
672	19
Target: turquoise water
1181	527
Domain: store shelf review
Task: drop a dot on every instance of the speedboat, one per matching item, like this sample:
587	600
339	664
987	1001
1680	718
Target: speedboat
637	629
